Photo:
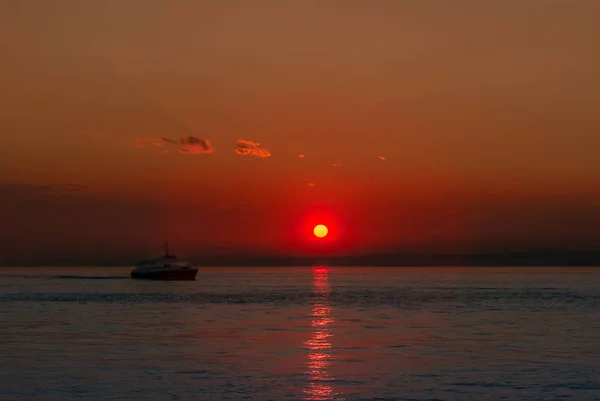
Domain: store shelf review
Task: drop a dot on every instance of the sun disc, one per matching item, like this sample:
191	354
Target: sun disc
320	230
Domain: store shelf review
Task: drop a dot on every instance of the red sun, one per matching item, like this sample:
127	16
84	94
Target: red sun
320	231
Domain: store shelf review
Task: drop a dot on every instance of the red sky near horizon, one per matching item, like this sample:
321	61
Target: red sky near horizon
238	126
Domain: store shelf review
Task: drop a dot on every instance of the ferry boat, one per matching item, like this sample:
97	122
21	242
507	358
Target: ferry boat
166	267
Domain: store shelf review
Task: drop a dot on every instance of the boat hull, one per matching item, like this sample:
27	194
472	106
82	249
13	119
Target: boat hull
168	275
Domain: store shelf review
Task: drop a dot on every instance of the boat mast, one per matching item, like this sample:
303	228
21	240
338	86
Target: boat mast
166	248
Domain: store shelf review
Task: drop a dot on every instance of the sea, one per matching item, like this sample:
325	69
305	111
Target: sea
301	333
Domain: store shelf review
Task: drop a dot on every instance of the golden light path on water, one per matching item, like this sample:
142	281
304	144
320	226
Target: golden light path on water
319	345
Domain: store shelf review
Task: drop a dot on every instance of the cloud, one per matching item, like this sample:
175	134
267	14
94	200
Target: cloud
191	144
336	165
312	184
301	156
244	147
168	140
195	146
382	158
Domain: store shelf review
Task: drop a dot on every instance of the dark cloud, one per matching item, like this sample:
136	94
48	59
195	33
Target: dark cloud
244	147
168	140
194	146
191	144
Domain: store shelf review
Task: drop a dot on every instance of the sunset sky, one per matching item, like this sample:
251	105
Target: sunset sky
236	126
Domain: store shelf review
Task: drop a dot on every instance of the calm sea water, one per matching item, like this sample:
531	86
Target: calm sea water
301	334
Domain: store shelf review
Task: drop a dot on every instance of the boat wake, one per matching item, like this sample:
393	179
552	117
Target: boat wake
93	277
66	276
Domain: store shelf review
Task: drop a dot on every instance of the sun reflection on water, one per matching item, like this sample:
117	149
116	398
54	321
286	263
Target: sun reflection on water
319	357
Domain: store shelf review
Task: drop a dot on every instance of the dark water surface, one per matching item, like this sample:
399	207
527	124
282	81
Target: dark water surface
301	334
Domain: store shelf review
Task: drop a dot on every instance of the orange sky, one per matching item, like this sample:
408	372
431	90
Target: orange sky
486	114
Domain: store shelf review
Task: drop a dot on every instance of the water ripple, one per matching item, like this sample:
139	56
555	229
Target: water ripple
301	335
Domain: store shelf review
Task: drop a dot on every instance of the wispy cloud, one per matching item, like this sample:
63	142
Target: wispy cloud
191	145
244	147
382	158
195	146
301	156
168	140
312	184
336	165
